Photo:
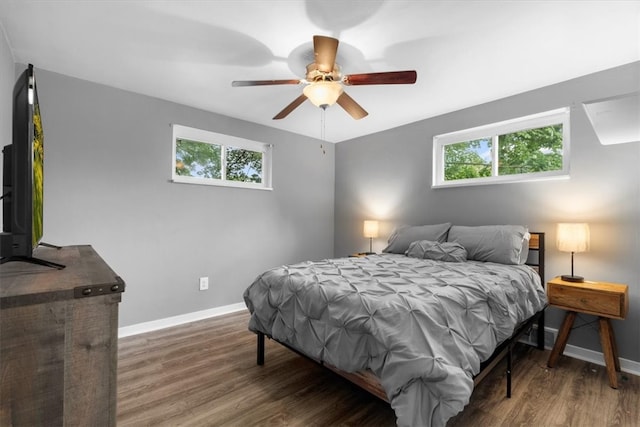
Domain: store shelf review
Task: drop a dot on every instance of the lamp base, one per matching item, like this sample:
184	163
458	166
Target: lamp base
572	278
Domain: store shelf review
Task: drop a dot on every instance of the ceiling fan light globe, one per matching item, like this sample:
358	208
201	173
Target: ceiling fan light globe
323	93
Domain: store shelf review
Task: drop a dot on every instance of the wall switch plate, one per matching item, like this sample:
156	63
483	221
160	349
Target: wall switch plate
204	283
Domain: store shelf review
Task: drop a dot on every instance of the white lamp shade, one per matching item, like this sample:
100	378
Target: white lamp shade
323	92
371	229
573	237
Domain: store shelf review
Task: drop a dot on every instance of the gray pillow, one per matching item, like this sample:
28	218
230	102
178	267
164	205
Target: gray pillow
505	244
402	237
446	251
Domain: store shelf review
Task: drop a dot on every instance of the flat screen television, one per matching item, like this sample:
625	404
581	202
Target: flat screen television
23	177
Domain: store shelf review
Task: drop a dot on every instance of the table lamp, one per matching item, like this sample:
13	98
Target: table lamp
572	237
370	231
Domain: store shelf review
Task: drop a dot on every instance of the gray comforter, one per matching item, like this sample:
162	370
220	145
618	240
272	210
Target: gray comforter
422	326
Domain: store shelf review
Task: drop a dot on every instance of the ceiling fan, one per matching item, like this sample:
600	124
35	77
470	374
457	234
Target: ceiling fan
324	81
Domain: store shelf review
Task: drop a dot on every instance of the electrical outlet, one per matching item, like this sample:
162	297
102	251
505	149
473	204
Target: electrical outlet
204	283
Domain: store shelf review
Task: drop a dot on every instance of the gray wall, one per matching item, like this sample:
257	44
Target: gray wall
387	176
107	171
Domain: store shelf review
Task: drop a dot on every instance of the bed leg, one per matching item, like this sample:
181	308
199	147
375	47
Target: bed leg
260	348
509	361
541	332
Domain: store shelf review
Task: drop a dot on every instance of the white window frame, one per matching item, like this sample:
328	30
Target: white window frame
224	141
493	131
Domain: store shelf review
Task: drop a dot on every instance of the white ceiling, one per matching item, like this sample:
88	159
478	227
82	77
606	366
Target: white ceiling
465	52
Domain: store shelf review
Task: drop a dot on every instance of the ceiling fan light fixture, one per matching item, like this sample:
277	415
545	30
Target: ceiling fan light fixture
323	93
324	81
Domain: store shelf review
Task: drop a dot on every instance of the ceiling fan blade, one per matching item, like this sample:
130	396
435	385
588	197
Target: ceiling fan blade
387	78
325	50
289	108
351	106
240	83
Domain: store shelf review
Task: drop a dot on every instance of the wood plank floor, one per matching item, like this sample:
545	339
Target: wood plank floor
205	374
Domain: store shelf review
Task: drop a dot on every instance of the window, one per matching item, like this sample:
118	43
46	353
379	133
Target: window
202	157
523	149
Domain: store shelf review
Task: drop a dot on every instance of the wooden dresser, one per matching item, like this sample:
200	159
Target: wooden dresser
58	340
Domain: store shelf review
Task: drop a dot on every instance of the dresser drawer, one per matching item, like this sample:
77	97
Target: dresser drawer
597	298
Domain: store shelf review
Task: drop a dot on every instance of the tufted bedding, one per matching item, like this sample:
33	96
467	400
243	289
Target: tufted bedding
421	326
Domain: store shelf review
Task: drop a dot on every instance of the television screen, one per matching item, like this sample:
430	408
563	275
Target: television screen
38	173
23	177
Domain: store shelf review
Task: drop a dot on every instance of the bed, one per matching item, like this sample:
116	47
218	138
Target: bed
417	325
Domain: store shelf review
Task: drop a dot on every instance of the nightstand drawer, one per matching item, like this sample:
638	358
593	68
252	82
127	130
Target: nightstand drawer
597	298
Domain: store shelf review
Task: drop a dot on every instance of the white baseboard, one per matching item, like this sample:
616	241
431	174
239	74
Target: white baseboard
551	334
154	325
628	366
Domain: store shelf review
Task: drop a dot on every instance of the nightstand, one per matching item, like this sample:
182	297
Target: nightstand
361	254
605	300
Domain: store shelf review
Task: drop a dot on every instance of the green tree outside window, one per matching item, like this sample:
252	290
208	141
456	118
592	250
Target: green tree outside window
462	160
528	151
198	159
244	165
522	152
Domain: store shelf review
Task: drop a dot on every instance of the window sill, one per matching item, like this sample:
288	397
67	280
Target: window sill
221	183
499	180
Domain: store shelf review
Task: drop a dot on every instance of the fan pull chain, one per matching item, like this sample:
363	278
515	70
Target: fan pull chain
323	128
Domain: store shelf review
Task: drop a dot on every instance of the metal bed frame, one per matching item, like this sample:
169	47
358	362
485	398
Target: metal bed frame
370	383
